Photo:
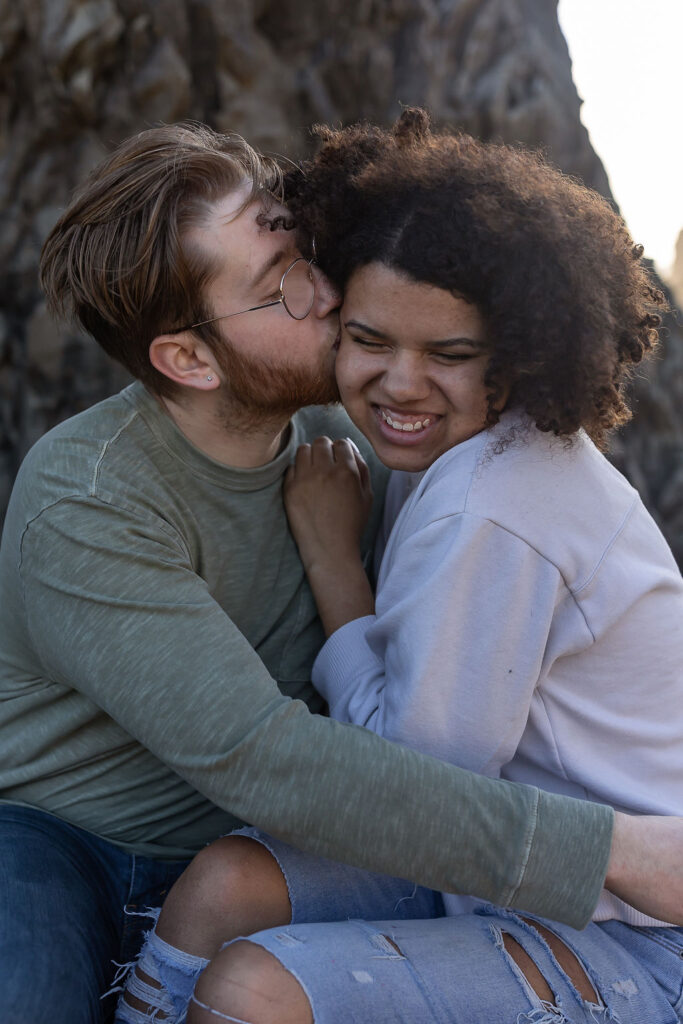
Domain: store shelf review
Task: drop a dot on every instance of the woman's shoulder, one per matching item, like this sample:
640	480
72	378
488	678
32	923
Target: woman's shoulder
562	498
514	466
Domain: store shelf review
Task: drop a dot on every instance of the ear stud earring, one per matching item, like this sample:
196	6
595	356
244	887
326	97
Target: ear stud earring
210	377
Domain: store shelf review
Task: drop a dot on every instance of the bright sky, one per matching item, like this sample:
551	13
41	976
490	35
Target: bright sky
626	57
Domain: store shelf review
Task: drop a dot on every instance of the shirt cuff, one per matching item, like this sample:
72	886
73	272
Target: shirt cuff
571	844
344	657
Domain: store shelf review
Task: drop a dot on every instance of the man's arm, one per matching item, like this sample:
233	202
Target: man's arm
117	612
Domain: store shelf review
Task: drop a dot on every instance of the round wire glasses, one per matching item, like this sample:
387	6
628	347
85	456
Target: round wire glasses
297	294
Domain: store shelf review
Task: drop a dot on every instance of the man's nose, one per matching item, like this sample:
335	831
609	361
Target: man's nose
327	296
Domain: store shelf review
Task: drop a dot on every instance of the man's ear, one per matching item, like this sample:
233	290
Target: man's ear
184	359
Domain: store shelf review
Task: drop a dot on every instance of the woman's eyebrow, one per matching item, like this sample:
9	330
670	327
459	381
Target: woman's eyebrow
365	329
443	343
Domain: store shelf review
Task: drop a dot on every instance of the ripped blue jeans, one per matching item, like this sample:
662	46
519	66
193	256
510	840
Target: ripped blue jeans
455	970
69	906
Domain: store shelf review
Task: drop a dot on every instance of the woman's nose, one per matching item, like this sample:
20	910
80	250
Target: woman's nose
404	380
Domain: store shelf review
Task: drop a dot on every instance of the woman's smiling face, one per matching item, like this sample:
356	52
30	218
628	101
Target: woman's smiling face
410	366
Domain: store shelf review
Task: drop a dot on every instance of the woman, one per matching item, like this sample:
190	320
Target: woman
492	308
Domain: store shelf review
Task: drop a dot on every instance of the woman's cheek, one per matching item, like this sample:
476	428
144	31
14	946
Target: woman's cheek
346	368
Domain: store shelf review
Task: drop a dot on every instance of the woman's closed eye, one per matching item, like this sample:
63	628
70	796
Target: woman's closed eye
454	357
442	356
366	343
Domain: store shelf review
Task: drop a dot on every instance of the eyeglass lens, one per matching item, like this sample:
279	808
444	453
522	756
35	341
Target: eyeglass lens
298	289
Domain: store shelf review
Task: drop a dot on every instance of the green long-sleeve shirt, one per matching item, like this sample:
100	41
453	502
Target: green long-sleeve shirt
149	599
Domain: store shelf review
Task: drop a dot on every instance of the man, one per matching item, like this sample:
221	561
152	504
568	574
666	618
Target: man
152	596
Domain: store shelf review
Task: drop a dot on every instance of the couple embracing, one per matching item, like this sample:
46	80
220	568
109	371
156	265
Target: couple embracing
162	617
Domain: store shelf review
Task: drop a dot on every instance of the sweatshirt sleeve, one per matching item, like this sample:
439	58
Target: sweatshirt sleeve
116	611
449	662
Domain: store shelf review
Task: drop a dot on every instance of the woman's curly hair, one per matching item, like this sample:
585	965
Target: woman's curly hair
568	305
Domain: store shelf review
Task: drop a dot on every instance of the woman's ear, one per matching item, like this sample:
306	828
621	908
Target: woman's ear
185	360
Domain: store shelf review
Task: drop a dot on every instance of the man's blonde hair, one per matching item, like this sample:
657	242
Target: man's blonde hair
115	260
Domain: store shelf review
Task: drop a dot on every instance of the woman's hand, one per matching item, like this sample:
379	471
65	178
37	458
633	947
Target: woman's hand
328	496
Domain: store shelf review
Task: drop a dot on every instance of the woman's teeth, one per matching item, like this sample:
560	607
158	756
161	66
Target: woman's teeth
409	426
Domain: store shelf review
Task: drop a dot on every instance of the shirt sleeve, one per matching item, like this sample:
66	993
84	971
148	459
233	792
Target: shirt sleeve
116	611
449	662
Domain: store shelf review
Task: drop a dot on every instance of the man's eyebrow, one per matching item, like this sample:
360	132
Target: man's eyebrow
271	262
443	343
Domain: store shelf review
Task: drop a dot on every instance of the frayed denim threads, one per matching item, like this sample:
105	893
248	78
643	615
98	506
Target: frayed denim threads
174	970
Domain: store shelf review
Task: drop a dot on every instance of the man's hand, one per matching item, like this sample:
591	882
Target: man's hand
328	496
646	865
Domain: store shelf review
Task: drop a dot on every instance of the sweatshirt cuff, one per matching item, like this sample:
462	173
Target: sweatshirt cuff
344	656
571	843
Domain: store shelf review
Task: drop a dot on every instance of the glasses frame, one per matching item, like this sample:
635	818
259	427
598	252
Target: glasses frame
265	305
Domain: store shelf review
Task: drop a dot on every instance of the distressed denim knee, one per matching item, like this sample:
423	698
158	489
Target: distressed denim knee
457	969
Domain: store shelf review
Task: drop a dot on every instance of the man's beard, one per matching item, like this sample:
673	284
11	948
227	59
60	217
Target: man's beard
257	391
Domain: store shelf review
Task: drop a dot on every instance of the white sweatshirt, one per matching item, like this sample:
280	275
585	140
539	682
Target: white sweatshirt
528	625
